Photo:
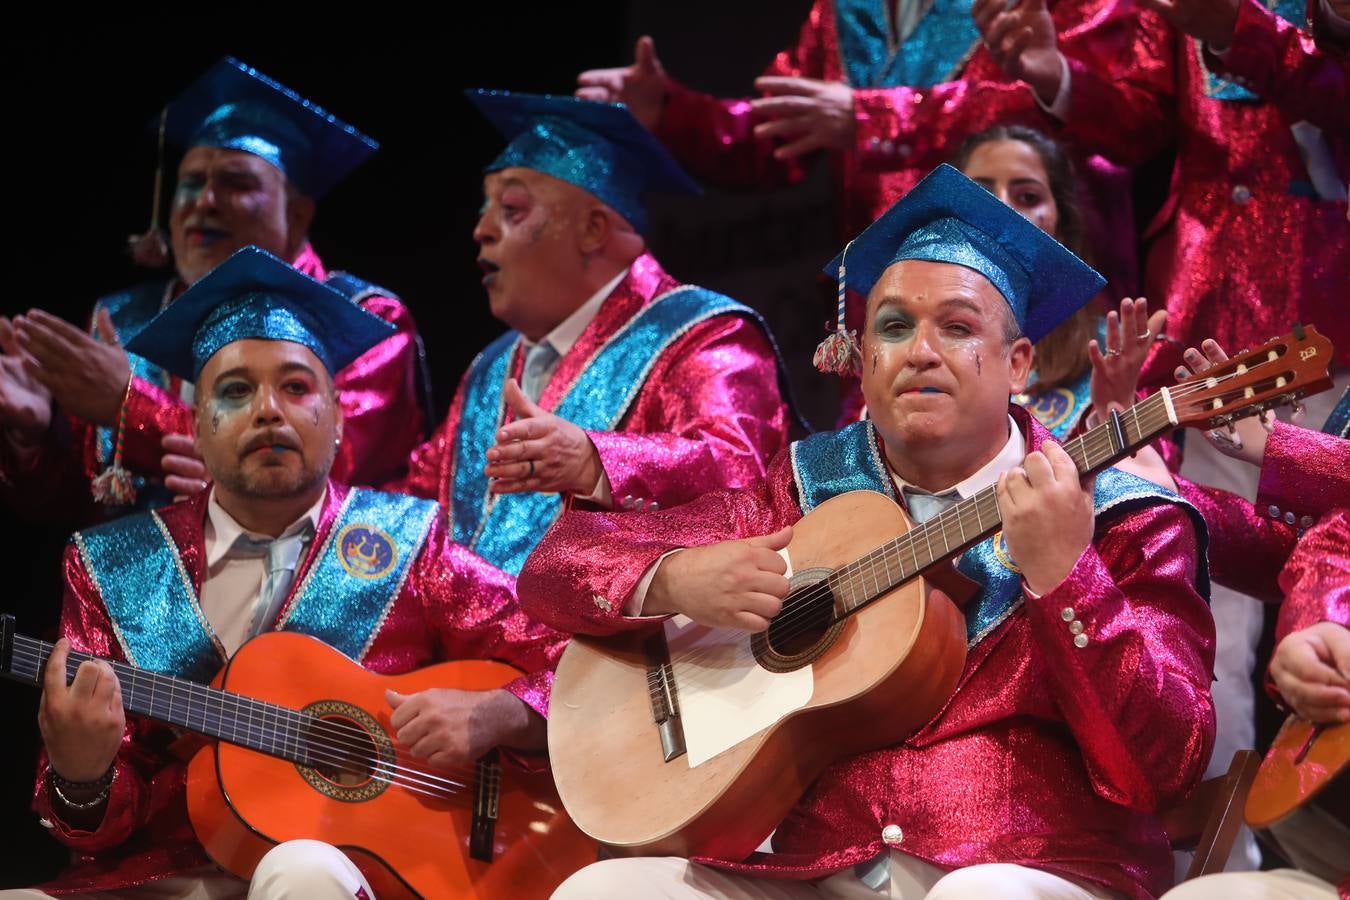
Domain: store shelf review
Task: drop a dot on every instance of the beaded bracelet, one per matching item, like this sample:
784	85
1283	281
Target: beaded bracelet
105	781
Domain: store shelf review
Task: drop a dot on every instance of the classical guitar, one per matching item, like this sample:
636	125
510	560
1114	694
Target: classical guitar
1306	764
689	740
302	749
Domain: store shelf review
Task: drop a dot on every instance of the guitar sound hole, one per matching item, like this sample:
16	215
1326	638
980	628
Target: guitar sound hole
348	752
804	620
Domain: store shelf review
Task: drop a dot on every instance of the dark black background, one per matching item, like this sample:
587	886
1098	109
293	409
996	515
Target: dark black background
79	163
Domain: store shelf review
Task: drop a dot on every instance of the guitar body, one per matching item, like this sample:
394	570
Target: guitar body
883	674
1301	767
242	802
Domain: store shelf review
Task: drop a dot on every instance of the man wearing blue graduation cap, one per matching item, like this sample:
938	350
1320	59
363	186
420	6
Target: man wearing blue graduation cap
615	383
1083	707
257	158
275	544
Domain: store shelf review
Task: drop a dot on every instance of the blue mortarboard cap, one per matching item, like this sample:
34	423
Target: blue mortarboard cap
949	218
253	294
237	107
599	147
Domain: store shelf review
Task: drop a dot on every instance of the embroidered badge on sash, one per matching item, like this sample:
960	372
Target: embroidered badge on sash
365	551
1052	407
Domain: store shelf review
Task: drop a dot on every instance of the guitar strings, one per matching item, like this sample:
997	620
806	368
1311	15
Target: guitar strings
307	726
789	623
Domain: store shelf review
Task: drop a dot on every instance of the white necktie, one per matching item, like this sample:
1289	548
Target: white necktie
539	364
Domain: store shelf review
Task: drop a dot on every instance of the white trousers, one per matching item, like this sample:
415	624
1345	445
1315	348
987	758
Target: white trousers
1277	884
295	870
672	878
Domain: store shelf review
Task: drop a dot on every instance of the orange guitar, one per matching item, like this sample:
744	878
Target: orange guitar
303	749
861	655
1306	764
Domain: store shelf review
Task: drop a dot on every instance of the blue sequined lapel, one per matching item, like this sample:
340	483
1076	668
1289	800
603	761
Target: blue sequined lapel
150	599
830	463
504	530
1060	408
348	590
936	50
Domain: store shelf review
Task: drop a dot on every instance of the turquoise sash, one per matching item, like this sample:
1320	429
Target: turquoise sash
358	573
504	529
829	463
343	600
932	53
151	600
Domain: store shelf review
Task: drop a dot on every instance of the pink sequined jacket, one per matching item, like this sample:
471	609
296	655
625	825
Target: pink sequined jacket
1244	249
709	414
1048	755
1291	546
382	421
452	605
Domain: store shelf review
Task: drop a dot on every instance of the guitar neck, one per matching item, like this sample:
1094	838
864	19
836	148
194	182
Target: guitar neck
236	719
972	520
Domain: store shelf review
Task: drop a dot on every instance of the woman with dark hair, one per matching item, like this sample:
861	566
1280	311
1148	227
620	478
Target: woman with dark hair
1031	173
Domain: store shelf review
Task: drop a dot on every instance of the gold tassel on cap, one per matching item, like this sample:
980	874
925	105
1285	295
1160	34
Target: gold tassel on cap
839	353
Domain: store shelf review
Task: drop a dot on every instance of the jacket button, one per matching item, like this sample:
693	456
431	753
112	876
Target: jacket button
892	834
1241	193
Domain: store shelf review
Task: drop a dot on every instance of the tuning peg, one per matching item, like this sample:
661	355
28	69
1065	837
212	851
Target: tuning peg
1267	420
1296	410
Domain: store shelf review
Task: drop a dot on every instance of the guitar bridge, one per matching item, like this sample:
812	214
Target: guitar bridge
664	698
487	791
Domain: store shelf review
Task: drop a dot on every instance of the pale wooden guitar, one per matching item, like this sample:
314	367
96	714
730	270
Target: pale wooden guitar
692	741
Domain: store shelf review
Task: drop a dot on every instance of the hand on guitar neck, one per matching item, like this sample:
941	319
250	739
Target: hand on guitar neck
449	728
1246	440
1311	668
1047	516
733	584
82	726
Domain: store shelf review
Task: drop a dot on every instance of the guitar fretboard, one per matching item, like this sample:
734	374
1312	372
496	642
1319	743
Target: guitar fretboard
236	719
966	523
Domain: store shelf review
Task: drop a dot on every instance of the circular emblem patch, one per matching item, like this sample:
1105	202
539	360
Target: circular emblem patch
1002	555
1052	407
365	551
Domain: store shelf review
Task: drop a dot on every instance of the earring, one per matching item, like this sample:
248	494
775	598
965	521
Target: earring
337	442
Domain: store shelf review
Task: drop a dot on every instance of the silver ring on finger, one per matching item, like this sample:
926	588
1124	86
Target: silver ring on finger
1112	351
1145	335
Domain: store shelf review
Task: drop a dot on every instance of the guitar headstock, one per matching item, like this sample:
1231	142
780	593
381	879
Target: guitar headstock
1274	374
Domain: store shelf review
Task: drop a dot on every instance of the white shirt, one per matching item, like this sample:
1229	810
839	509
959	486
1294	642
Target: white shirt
231	583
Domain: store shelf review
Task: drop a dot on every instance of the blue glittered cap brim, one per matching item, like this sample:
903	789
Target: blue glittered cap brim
253	294
598	147
949	218
236	107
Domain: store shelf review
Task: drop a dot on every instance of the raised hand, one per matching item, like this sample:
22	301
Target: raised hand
1212	21
540	451
1129	337
87	377
1311	668
1022	41
1047	516
1247	441
733	584
448	727
641	86
807	113
25	402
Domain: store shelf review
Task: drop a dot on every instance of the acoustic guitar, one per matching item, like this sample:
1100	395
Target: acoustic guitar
1306	766
695	741
302	748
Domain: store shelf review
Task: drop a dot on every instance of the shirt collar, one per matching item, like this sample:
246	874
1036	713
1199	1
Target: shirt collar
222	530
568	332
1012	454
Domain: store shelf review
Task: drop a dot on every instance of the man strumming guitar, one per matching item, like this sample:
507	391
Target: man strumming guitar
274	545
